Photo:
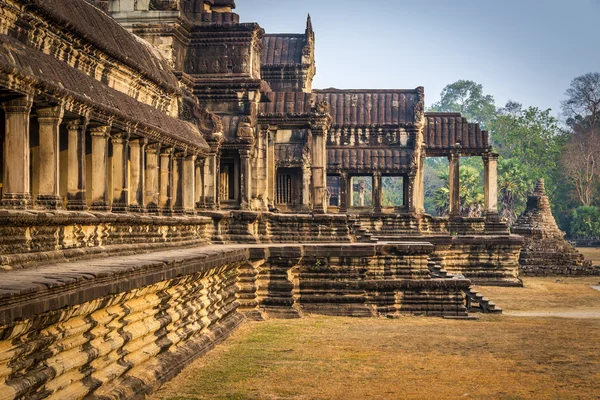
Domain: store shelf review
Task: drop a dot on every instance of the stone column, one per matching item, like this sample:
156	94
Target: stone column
490	188
120	177
16	186
454	184
100	137
271	170
245	179
306	179
137	153
200	194
211	172
377	192
152	193
189	183
76	181
49	121
343	205
421	185
177	183
319	173
166	200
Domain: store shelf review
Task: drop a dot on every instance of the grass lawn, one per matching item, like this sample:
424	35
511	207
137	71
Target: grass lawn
497	357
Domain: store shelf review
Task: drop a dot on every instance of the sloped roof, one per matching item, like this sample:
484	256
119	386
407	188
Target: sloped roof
287	103
108	35
56	78
369	107
443	130
282	49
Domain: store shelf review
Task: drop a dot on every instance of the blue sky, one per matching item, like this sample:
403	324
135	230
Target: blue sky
523	50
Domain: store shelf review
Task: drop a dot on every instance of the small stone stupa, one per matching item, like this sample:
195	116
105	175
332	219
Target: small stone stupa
545	251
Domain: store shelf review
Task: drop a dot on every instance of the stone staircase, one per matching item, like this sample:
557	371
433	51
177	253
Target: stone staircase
361	233
476	302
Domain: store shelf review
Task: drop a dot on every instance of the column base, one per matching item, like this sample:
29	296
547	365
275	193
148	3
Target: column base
120	207
99	206
16	200
153	209
137	209
318	209
49	201
76	205
168	211
179	210
492	216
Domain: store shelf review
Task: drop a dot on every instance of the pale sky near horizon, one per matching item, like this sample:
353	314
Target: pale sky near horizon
527	51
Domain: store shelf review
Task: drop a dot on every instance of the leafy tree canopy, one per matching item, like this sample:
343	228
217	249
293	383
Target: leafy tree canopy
467	98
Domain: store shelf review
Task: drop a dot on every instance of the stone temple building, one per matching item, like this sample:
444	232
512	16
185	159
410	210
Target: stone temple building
169	172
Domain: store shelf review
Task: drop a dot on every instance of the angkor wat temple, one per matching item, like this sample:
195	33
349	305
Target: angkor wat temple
169	172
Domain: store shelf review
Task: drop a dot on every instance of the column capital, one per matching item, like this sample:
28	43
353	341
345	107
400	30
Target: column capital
119	137
200	161
50	115
179	155
139	141
100	131
244	153
77	124
191	157
167	151
153	148
18	105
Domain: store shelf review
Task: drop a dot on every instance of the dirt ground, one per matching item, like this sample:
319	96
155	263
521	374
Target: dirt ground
591	253
497	357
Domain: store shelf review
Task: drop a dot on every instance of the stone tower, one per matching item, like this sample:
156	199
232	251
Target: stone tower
545	251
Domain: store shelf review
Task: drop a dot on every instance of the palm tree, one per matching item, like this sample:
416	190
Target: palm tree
513	186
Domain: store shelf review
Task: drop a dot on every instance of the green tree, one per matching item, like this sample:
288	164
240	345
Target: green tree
467	98
470	192
585	223
513	186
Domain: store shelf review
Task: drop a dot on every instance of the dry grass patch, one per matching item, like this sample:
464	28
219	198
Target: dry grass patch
590	253
410	358
547	294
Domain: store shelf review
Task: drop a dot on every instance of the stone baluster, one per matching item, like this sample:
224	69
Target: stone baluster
166	200
152	194
76	164
377	192
16	186
49	120
245	179
100	135
200	194
189	183
490	189
454	183
136	174
120	177
177	182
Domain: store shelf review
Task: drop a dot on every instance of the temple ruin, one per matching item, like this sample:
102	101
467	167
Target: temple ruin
169	172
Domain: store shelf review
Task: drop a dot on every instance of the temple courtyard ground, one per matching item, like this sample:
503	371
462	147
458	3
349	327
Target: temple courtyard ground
546	345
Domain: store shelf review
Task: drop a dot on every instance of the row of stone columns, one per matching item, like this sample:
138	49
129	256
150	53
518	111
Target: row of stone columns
346	191
139	182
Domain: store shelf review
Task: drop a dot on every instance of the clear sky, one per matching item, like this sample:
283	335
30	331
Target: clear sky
523	50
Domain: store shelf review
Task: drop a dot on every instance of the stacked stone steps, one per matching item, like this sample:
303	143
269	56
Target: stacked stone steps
361	233
483	304
437	271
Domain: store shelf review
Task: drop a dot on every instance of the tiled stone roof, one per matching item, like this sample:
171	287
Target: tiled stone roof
282	49
444	130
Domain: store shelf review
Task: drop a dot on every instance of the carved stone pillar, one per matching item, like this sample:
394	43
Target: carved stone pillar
16	186
271	176
166	201
306	179
152	192
377	192
120	177
49	121
137	153
245	179
200	189
454	183
344	185
211	172
100	137
421	185
189	183
490	189
76	180
177	183
319	173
